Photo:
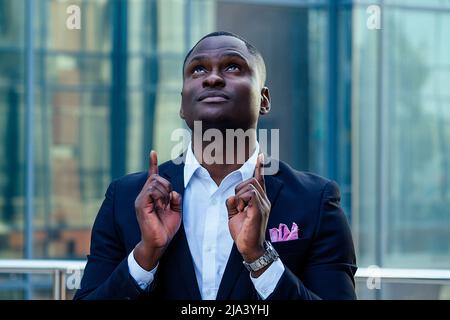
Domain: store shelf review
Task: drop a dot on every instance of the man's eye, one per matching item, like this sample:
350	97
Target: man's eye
198	69
233	67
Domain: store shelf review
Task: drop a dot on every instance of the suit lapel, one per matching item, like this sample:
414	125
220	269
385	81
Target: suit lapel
234	266
185	265
232	272
183	257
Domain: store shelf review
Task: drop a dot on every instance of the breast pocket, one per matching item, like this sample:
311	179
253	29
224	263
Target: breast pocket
292	253
291	246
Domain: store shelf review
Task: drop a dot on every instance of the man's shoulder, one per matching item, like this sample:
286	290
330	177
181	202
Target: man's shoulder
135	178
302	179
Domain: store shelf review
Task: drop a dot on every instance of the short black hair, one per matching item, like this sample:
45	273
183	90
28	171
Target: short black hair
251	49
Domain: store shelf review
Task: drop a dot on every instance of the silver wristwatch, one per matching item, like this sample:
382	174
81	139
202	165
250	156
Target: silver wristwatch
269	256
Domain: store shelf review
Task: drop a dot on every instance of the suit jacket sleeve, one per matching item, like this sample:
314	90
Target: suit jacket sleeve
331	264
106	275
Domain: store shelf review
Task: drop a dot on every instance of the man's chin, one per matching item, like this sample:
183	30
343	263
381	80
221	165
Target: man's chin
217	121
220	124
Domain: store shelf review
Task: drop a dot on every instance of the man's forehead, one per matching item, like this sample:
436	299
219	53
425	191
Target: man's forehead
220	44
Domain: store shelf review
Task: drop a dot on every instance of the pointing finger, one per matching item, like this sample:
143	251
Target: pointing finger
259	174
153	163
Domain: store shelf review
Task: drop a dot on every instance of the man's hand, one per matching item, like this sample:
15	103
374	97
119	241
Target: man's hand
158	212
248	213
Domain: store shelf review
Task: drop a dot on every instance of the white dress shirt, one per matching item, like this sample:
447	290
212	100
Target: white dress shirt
205	219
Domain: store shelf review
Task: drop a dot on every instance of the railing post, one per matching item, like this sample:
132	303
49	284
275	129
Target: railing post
62	284
56	285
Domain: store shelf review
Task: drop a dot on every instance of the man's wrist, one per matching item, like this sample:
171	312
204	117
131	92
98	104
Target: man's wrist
256	274
147	258
254	255
142	277
257	263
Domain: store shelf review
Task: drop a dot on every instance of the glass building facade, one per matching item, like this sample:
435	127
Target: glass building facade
369	108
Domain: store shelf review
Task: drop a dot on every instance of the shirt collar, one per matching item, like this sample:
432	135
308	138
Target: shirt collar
191	165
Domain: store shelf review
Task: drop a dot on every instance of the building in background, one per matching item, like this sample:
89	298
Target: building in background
369	108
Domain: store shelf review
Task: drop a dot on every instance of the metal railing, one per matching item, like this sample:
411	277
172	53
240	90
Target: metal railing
407	275
57	268
60	268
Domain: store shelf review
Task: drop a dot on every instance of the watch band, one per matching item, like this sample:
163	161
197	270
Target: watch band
269	256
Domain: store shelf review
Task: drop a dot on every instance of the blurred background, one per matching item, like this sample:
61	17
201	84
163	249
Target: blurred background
367	107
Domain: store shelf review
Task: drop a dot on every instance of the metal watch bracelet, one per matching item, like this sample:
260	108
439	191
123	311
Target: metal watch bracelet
269	255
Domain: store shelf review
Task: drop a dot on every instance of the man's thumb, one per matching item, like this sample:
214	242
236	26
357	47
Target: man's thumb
231	206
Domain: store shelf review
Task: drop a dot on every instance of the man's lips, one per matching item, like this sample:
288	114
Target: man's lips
214	99
213	96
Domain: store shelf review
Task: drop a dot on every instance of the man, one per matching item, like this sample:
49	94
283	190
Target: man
221	230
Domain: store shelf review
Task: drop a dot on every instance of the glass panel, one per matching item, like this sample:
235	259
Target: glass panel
12	23
72	170
364	138
72	173
59	37
171	32
12	128
170	71
96	71
73	70
95	26
142	26
418	104
168	114
343	110
63	70
420	3
12	170
401	175
138	128
317	74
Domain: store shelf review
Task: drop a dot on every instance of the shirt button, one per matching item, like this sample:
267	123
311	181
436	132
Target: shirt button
214	202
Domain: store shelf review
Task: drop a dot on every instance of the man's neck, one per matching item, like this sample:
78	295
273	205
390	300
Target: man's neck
222	162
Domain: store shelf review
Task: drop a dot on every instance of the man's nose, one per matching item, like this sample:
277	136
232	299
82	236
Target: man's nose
213	80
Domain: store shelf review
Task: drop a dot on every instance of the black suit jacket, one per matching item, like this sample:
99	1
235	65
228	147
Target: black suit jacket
319	265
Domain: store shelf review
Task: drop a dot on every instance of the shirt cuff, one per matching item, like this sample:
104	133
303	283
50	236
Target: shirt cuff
142	277
268	280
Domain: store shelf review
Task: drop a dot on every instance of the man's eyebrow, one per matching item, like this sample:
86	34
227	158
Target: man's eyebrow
234	54
197	58
226	54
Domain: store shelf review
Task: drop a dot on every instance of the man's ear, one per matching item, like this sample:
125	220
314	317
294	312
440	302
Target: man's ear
182	113
181	107
265	101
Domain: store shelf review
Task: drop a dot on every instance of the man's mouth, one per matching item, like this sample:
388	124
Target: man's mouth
213	97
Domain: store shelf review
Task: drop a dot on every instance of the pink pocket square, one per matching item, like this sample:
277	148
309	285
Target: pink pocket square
282	233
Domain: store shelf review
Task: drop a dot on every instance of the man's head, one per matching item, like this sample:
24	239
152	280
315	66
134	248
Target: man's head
223	83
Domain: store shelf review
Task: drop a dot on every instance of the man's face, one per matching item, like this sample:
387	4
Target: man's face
222	86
